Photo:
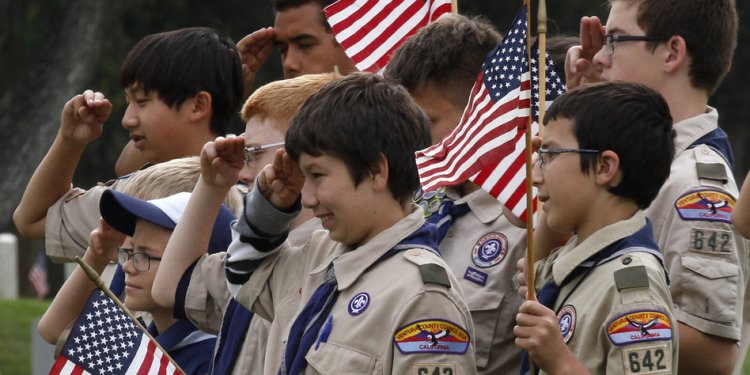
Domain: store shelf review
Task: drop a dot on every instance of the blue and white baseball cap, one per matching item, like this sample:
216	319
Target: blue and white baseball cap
121	211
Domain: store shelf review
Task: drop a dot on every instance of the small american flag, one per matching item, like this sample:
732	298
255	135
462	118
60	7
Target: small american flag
38	276
370	30
105	340
488	145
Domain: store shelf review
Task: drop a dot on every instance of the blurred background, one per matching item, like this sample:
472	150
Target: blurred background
51	50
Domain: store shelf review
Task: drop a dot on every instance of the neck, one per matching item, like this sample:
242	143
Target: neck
684	100
163	319
613	210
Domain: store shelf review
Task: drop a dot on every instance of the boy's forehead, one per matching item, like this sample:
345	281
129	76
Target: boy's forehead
558	131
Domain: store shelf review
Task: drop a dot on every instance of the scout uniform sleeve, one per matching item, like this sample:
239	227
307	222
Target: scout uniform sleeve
71	219
705	257
434	330
202	294
641	331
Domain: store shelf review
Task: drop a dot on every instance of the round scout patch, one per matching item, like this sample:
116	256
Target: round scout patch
490	249
567	319
359	304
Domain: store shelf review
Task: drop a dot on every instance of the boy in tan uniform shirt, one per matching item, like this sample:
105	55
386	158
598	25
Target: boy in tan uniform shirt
376	296
658	43
193	283
606	290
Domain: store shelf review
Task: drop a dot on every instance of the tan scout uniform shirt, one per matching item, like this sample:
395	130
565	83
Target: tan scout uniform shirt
705	257
482	248
208	296
71	219
601	317
378	309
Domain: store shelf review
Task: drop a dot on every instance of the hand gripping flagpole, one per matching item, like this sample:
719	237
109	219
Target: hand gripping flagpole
94	277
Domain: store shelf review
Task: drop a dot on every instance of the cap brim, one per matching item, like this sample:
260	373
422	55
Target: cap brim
121	211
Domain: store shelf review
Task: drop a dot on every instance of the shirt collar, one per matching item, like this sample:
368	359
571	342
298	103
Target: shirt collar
483	205
690	130
571	255
351	264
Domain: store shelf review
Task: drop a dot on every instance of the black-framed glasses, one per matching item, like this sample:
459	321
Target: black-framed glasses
251	152
611	39
141	261
551	152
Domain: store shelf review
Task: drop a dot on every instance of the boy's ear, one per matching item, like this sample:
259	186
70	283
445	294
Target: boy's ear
379	174
202	107
608	169
677	54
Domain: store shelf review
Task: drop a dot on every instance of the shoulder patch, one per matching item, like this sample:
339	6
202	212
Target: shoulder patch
712	171
566	317
705	205
639	326
432	336
631	277
652	359
434	274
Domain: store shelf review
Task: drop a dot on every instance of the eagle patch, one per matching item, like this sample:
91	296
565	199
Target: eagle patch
432	336
705	205
639	326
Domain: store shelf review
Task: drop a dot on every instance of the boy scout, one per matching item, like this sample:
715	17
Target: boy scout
376	296
193	283
606	290
438	66
657	43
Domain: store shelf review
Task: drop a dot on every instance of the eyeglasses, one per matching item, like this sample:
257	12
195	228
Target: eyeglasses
141	261
554	151
251	152
611	39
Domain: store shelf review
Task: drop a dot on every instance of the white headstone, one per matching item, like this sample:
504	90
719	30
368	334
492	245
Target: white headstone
8	266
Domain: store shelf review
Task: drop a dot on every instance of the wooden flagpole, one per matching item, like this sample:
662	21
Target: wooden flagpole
454	6
94	277
531	292
542	37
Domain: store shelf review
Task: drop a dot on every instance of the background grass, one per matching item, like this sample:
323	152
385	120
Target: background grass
16	317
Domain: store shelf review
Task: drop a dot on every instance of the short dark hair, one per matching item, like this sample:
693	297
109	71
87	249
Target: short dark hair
447	53
709	28
360	119
630	119
180	63
281	5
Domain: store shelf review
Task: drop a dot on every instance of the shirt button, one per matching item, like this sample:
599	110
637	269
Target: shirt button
414	252
626	260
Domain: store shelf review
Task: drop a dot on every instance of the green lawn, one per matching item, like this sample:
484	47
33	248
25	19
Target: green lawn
16	317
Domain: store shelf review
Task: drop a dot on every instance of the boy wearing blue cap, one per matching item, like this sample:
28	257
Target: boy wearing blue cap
148	226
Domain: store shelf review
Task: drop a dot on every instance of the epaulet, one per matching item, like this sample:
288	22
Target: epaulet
631	277
709	164
432	273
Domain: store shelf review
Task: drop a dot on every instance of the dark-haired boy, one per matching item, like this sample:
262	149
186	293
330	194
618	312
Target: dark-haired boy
657	43
168	116
438	66
606	290
376	296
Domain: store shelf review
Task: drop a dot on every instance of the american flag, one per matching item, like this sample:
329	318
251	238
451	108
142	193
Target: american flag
105	340
38	276
488	145
370	30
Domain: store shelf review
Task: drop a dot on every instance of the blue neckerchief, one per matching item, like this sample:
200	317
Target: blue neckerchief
444	217
718	140
234	327
642	240
306	328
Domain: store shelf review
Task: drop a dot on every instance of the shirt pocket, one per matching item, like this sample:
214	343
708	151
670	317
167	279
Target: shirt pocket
709	288
333	359
485	314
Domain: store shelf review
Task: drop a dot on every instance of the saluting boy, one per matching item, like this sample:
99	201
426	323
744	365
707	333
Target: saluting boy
605	154
376	297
